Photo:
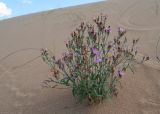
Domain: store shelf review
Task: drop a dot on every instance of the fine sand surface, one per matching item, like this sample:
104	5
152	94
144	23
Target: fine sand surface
22	70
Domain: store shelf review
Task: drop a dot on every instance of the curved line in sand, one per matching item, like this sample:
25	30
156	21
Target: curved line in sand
150	63
14	52
125	22
27	62
125	19
21	50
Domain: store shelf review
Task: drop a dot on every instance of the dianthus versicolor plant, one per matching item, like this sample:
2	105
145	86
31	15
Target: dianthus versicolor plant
92	66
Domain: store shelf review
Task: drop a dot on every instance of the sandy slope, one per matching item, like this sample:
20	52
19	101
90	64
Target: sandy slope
22	70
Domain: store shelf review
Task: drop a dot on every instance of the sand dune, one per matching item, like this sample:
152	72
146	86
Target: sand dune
22	70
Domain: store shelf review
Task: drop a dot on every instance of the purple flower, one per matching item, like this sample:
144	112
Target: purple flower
108	30
97	60
120	73
121	31
60	64
95	51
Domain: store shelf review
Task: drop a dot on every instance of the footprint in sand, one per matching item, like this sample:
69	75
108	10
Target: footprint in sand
4	72
18	92
7	74
12	91
134	17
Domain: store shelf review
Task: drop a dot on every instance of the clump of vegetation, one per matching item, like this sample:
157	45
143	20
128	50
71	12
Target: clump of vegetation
93	64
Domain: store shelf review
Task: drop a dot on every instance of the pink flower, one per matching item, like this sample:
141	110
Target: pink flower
95	51
120	73
97	60
108	30
121	31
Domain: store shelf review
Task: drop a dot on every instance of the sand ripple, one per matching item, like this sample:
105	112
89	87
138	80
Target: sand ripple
141	15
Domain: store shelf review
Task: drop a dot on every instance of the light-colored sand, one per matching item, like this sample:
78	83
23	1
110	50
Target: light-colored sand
22	70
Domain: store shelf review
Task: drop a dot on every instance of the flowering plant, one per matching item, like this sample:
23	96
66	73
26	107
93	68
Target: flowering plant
93	65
